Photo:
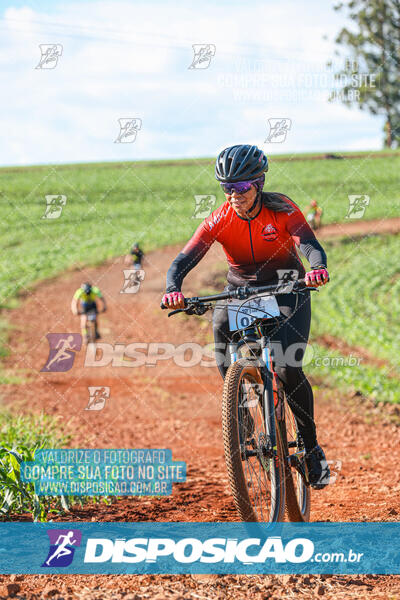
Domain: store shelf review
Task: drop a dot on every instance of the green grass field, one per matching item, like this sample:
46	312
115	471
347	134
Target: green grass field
110	205
338	371
361	305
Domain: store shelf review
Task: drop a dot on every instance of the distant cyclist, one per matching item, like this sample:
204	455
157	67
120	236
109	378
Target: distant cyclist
135	257
261	233
87	296
313	214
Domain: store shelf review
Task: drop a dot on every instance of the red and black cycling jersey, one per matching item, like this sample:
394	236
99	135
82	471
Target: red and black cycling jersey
255	248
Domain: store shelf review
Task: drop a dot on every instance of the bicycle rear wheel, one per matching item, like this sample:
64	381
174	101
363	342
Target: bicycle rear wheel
256	472
298	497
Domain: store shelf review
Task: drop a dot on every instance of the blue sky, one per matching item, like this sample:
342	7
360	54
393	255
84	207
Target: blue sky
130	59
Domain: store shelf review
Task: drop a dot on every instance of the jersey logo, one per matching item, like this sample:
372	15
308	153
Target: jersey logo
269	233
216	218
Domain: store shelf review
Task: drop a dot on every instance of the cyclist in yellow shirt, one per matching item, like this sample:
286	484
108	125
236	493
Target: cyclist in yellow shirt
87	296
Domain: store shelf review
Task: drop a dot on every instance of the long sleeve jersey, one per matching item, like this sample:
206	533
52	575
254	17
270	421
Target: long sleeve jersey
256	249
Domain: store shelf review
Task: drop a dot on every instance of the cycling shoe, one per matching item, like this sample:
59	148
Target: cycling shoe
317	468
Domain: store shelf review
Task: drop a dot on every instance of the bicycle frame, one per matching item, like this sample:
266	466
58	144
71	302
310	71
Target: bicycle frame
267	374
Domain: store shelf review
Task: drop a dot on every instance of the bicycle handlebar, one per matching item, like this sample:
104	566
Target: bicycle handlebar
240	293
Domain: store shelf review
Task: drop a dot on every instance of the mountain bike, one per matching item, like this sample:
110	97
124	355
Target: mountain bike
264	452
91	324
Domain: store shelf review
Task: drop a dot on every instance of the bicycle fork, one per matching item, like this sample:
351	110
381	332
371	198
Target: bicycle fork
268	392
269	404
278	489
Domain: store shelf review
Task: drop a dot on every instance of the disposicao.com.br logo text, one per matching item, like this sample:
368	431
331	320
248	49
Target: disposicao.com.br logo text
212	550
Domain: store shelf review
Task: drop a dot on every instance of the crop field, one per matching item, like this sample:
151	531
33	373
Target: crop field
110	205
339	371
362	305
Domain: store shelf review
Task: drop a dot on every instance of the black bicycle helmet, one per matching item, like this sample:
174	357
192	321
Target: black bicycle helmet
240	163
87	287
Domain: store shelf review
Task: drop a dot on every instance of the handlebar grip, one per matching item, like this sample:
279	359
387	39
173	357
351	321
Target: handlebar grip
163	307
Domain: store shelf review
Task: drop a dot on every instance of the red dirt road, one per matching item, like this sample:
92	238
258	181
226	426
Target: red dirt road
357	227
171	406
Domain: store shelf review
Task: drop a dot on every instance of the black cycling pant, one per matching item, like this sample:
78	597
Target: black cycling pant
291	337
88	307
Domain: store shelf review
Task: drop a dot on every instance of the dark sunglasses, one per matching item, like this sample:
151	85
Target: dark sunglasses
240	187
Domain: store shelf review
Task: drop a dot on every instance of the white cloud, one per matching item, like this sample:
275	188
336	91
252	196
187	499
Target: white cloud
125	59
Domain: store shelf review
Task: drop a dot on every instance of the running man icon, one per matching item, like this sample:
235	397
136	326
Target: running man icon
62	546
133	279
97	397
62	549
63	347
203	54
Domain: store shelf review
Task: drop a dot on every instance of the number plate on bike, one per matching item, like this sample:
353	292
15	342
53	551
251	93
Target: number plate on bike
242	314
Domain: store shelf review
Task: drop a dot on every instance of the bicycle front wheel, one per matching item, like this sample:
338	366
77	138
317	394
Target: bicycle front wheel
255	468
91	331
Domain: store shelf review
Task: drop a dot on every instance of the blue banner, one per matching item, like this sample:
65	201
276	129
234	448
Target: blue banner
103	472
118	548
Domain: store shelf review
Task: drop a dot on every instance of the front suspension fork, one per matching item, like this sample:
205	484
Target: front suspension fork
267	374
269	404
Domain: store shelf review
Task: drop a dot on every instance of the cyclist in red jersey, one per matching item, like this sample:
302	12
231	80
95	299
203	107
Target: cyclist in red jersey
260	233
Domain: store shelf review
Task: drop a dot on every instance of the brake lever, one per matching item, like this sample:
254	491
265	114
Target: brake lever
197	309
307	287
178	310
191	309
